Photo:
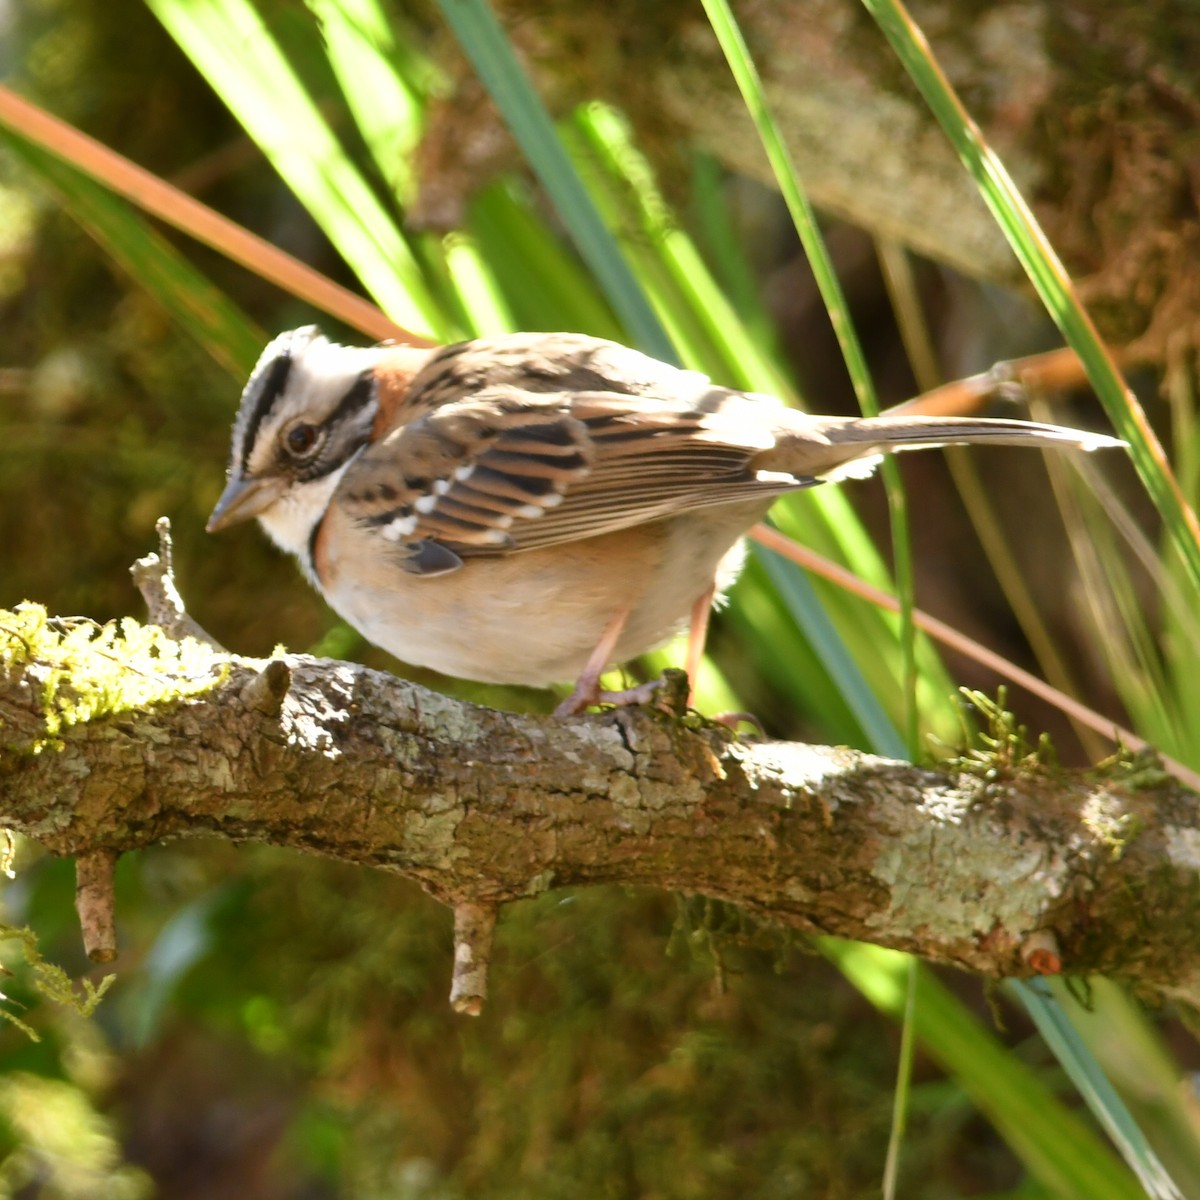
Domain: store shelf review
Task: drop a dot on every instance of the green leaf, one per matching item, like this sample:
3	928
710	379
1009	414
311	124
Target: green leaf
146	256
1107	1106
234	49
1046	272
746	75
1058	1149
493	57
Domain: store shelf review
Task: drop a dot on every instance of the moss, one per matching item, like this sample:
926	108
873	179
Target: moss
1135	770
1002	749
50	982
80	671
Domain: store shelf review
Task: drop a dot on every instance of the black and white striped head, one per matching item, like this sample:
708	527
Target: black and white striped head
305	413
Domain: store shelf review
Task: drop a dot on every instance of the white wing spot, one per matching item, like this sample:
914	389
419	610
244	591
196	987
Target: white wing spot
427	503
858	468
400	527
462	474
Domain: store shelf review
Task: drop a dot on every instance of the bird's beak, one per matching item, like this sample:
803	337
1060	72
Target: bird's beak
243	499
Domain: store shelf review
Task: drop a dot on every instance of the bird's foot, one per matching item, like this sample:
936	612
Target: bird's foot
589	692
731	720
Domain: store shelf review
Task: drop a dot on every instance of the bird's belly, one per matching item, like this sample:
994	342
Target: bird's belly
535	617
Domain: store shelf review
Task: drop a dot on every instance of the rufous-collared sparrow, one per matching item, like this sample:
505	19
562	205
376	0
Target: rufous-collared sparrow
535	507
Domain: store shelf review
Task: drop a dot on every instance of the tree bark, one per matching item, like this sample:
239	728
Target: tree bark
1000	868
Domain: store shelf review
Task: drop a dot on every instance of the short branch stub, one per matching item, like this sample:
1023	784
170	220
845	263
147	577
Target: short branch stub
96	905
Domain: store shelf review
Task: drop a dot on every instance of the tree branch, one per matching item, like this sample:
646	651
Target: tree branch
1003	873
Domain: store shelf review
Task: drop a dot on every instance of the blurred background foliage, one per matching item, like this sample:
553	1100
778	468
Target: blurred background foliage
279	1027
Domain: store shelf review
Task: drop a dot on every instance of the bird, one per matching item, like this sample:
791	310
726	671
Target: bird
532	508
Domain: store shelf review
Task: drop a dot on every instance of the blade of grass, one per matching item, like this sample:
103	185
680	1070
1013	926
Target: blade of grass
482	298
389	114
236	52
908	1041
485	44
718	238
1115	608
1137	1059
544	286
733	45
385	84
811	616
148	258
1047	274
1054	1144
684	293
787	669
37	127
1107	1106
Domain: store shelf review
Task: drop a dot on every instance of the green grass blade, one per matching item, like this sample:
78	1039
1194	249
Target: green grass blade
1136	1058
231	45
476	284
733	45
745	74
718	238
664	258
1047	274
1114	605
1101	1097
363	53
783	667
485	43
543	285
806	608
193	301
1055	1145
904	1070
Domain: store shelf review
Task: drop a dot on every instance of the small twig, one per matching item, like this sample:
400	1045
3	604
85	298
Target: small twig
675	691
1055	370
159	198
154	577
95	903
1041	954
474	925
266	692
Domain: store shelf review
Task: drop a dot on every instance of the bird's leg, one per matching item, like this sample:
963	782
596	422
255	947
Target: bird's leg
587	687
697	637
587	690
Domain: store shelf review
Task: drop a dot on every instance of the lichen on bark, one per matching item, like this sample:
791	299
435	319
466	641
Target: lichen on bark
68	671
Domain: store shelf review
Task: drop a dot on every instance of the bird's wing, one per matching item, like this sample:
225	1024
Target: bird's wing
509	470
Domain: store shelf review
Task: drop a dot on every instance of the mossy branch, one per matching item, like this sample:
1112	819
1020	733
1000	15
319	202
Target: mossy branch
1002	871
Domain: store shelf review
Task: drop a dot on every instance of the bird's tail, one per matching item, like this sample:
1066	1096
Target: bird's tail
833	448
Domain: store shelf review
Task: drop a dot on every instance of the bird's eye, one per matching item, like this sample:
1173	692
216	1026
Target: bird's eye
300	439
